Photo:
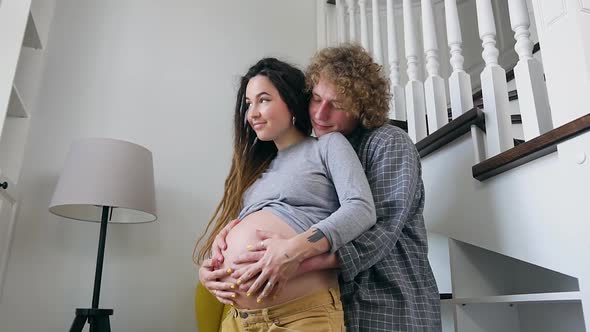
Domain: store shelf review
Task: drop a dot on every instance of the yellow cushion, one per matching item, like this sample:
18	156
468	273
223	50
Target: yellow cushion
209	312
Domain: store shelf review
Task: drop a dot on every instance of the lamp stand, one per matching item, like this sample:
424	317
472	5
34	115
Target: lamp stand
98	319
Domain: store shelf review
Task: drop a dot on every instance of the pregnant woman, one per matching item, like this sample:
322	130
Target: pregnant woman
312	192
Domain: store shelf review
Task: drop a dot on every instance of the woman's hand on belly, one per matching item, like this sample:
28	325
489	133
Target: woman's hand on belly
210	278
219	243
243	247
273	265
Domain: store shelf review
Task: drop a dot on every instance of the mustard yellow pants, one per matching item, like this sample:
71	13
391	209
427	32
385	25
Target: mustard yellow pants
318	312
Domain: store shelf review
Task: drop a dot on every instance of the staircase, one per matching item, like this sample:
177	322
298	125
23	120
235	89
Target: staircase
505	181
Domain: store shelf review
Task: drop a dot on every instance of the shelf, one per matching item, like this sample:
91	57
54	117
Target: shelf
478	273
16	108
562	297
32	39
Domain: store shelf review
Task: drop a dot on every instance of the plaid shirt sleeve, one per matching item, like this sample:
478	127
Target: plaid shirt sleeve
393	170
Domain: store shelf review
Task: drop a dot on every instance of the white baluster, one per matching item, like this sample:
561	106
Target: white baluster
415	108
434	86
341	23
532	93
493	85
364	24
397	108
351	20
322	24
377	50
459	82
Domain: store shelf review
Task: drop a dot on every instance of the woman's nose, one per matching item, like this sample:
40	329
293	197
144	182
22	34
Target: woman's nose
253	112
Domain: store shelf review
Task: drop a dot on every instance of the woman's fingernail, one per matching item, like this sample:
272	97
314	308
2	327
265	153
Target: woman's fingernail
233	296
232	286
229	271
259	300
250	247
249	294
239	281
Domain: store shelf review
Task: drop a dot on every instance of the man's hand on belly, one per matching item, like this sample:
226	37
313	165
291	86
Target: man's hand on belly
270	265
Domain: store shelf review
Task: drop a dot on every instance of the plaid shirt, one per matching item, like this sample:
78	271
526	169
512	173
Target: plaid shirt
386	280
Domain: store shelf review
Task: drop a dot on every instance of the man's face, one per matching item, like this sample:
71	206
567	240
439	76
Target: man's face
326	112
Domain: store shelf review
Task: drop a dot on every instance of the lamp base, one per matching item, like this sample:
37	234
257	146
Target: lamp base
98	319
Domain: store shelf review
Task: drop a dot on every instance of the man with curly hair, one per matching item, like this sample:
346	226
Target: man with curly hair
386	280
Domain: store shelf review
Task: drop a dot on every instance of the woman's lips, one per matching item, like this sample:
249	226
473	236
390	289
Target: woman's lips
258	125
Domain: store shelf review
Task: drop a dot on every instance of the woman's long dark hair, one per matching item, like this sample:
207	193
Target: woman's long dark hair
251	156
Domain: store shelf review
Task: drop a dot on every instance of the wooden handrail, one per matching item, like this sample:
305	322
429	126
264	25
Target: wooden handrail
451	131
531	150
402	124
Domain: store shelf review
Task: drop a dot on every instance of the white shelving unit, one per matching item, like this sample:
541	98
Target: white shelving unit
32	39
16	107
12	146
18	33
493	292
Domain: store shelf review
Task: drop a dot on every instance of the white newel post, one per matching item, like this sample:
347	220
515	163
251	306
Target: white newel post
564	34
397	107
340	21
322	26
415	108
351	20
377	49
364	24
434	86
493	85
530	83
459	82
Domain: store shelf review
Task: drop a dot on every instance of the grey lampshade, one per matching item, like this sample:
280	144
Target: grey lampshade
106	172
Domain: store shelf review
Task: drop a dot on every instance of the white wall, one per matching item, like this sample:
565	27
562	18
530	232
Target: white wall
161	74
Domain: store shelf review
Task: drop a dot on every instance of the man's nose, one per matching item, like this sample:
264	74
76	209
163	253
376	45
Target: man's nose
322	112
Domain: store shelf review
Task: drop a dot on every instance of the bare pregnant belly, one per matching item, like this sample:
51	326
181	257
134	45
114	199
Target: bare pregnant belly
244	234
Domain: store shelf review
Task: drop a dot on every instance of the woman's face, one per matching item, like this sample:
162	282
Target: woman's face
267	113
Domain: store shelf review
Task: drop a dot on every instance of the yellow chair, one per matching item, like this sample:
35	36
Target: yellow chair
209	312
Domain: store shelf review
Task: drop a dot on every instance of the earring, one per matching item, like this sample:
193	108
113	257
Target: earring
294	120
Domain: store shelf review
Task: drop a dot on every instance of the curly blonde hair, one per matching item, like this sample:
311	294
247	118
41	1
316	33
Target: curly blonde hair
359	80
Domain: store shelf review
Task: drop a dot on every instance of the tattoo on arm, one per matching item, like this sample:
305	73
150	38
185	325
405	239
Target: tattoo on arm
316	236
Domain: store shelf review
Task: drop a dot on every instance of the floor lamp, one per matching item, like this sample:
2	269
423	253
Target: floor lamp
104	180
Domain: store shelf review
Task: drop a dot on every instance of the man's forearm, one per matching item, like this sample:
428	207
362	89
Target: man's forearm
320	262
